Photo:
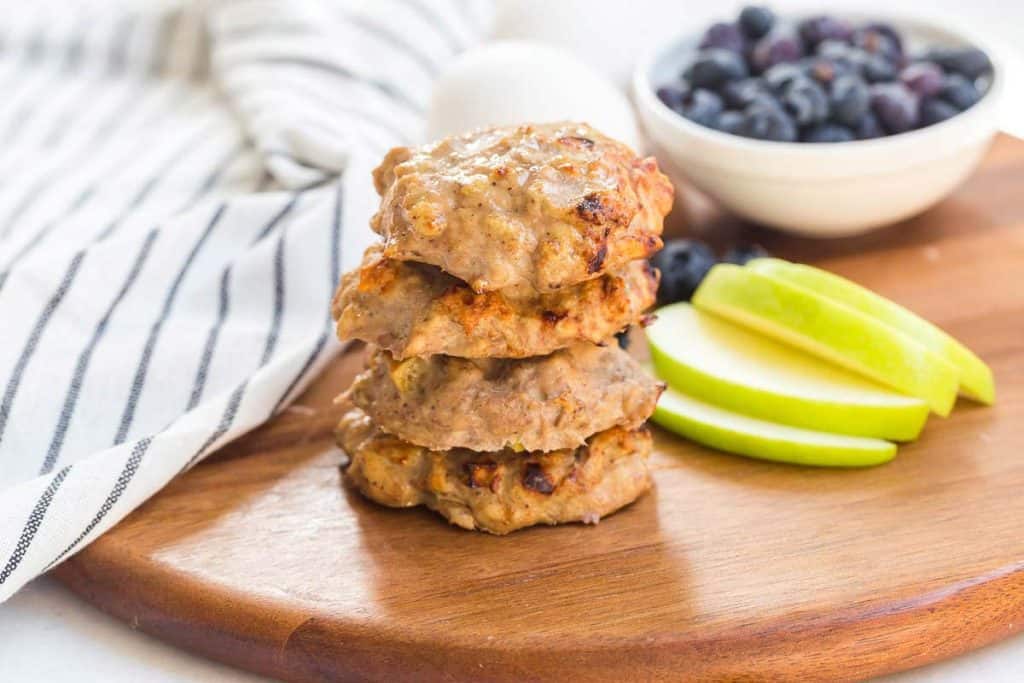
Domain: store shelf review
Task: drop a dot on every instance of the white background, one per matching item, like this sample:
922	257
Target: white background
46	634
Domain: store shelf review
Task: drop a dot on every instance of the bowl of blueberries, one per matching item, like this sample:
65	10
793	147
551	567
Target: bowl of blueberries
821	124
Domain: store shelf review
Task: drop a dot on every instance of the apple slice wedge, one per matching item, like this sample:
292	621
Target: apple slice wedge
716	361
833	331
734	433
976	380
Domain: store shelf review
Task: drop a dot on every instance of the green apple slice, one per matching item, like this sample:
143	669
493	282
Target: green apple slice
734	433
721	363
975	377
838	333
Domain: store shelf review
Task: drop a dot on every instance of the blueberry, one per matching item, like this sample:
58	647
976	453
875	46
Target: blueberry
877	42
806	101
777	47
756	21
715	66
781	75
724	36
896	107
742	253
826	70
820	28
827	132
672	98
623	339
934	110
968	61
850	100
729	122
924	78
960	92
767	122
874	68
869	128
888	31
739	94
702	106
834	49
683	265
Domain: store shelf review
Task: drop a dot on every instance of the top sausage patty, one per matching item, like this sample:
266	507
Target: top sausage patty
534	206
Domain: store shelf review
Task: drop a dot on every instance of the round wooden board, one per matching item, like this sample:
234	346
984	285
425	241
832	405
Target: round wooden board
730	569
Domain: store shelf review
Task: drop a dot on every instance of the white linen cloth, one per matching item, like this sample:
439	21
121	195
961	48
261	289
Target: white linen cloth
180	188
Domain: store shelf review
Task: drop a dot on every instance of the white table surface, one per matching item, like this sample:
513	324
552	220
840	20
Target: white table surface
48	635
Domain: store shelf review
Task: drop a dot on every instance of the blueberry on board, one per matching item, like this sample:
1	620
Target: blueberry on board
767	122
850	100
741	253
671	97
778	47
739	94
729	122
806	101
828	132
781	75
724	36
702	106
869	128
715	66
623	339
814	30
924	78
756	21
897	108
934	110
967	61
960	92
683	265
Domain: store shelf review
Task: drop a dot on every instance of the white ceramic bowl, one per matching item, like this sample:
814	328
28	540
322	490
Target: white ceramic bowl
822	189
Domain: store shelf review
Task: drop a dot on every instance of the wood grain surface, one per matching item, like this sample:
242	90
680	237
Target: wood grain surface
731	569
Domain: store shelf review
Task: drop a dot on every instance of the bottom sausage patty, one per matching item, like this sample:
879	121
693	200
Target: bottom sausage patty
501	491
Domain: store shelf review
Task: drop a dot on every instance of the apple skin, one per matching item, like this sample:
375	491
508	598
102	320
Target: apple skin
718	362
734	433
976	381
832	331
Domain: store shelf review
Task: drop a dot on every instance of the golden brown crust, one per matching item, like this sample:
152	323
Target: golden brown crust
543	403
536	206
502	491
413	309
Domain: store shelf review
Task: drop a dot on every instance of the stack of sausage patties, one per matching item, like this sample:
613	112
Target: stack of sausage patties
495	392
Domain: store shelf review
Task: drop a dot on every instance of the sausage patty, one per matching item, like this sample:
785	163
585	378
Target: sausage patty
534	404
539	206
502	491
412	309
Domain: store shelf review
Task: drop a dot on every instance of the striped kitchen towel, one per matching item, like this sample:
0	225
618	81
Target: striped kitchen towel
181	186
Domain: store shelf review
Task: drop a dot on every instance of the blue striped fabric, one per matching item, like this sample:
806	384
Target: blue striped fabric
181	188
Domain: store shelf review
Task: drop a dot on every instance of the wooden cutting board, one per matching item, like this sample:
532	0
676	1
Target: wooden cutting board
730	569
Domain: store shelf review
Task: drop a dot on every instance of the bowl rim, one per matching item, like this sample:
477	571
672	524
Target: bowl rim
649	104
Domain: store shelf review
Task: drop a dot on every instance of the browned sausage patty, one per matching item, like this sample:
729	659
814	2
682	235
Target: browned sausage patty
536	404
539	206
502	491
412	309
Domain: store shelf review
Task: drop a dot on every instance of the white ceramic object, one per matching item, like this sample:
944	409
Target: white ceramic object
606	35
825	189
512	82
